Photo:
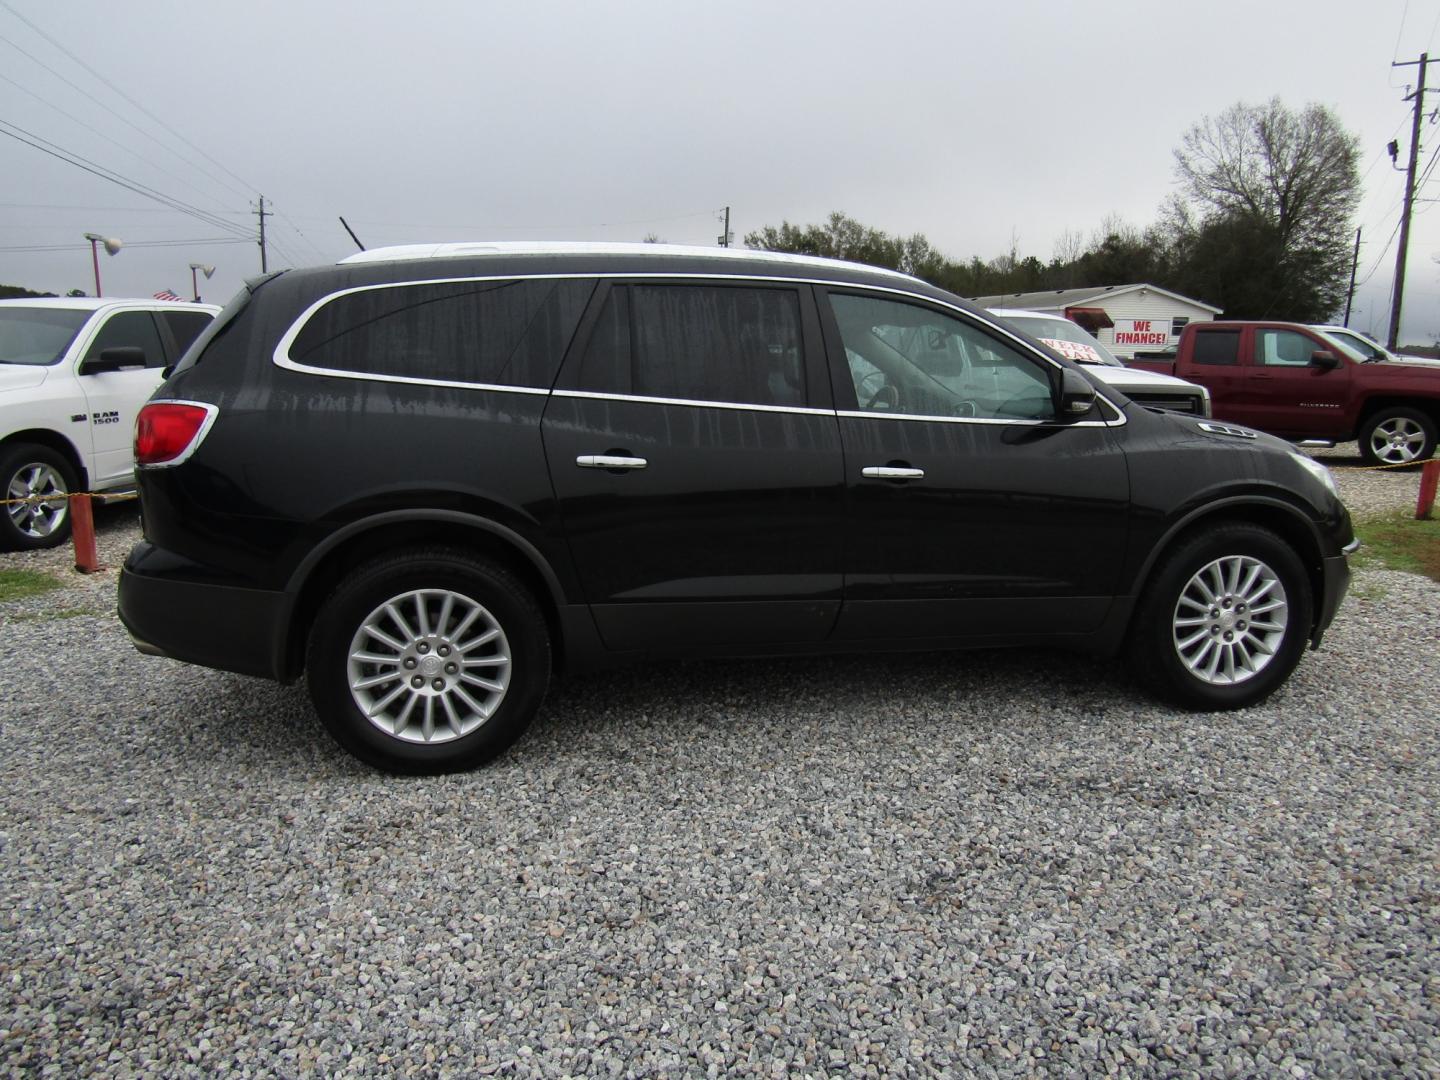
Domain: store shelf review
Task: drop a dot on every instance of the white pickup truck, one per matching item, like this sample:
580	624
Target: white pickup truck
73	375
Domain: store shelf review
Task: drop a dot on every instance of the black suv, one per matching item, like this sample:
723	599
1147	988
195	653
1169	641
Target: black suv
426	477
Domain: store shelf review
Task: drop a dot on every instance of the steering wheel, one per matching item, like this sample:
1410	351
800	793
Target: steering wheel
883	396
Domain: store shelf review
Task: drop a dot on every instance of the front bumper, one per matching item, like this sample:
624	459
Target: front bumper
213	625
1334	583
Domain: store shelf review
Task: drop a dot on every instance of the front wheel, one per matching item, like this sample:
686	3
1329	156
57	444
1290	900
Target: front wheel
1397	436
1224	619
37	484
428	662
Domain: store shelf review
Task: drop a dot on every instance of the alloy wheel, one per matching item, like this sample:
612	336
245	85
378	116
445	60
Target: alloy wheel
1397	440
429	666
44	505
1230	620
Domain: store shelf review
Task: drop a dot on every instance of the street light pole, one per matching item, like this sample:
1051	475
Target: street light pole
194	286
112	245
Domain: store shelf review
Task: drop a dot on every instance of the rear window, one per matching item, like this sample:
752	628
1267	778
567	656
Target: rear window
1217	347
506	333
33	335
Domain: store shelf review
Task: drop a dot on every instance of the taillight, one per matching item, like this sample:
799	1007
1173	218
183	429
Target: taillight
167	432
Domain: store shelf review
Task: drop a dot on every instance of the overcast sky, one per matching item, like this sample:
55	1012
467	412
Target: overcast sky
458	120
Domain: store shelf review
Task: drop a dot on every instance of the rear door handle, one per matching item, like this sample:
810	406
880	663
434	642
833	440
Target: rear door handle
891	472
610	461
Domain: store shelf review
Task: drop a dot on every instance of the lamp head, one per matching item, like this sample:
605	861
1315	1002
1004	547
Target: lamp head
208	271
112	245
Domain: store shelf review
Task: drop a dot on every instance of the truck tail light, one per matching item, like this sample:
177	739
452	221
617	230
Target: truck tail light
167	432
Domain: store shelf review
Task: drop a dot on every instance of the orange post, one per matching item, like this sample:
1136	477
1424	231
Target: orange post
82	533
1429	477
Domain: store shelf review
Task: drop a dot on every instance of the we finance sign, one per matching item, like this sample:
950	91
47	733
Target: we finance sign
1142	331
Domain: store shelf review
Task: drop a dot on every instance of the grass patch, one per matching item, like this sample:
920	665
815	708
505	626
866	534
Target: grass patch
1402	543
18	584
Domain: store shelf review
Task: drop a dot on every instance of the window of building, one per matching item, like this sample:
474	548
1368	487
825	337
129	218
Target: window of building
505	333
1217	347
1178	323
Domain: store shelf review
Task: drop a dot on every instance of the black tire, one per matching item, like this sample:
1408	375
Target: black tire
1162	628
1395	435
25	469
417	584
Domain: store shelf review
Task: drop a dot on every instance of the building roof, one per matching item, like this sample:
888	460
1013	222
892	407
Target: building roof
1095	295
547	247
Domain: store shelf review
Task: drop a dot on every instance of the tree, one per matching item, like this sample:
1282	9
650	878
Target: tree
19	292
1267	194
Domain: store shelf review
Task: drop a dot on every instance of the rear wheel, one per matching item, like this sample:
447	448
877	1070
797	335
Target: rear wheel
1397	436
37	482
1224	619
428	662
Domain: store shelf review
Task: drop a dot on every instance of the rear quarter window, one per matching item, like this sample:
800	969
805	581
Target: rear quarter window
505	333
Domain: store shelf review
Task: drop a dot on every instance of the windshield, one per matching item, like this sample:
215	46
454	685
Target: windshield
1066	338
34	335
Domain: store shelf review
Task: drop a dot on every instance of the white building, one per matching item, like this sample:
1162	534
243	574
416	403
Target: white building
1126	318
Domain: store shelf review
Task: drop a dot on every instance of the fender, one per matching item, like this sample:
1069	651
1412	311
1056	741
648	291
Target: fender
393	517
1209	508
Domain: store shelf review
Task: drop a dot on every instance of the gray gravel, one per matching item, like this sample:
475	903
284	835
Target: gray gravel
996	863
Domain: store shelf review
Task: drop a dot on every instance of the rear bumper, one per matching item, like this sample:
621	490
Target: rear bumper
216	626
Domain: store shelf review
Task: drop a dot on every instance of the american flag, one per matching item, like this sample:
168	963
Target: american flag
166	294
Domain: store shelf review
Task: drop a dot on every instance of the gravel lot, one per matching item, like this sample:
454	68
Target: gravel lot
998	863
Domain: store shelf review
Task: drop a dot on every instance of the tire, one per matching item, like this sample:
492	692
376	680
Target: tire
468	630
27	470
1215	656
1396	435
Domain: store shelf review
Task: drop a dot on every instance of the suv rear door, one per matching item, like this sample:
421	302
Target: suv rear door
972	513
696	459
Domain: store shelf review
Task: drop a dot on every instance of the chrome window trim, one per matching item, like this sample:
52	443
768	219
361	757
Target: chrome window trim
696	403
281	356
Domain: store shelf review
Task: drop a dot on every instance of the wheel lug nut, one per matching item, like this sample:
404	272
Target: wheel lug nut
422	648
438	684
444	650
417	682
410	661
1229	636
1214	630
452	668
1240	625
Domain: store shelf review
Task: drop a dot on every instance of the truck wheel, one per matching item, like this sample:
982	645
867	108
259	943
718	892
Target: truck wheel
1224	619
37	481
1397	436
429	661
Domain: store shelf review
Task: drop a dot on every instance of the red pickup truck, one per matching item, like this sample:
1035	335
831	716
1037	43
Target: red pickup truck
1301	384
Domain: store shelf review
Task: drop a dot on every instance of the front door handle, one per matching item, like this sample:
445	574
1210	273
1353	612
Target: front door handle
891	472
610	461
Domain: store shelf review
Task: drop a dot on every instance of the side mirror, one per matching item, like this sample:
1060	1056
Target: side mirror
1077	396
1324	359
114	359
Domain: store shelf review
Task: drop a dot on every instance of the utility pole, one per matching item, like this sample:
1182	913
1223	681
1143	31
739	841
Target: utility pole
725	236
1409	202
263	213
1354	262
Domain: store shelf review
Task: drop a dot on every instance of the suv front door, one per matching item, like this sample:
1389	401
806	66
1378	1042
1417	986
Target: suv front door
696	460
973	512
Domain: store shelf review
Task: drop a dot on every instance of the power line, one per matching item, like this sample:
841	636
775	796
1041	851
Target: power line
90	70
96	131
71	158
204	240
107	108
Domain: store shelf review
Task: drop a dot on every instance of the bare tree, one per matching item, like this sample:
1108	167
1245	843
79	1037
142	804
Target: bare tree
1285	185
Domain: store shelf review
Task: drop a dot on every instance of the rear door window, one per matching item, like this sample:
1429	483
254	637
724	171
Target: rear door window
1217	347
503	333
185	326
722	343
